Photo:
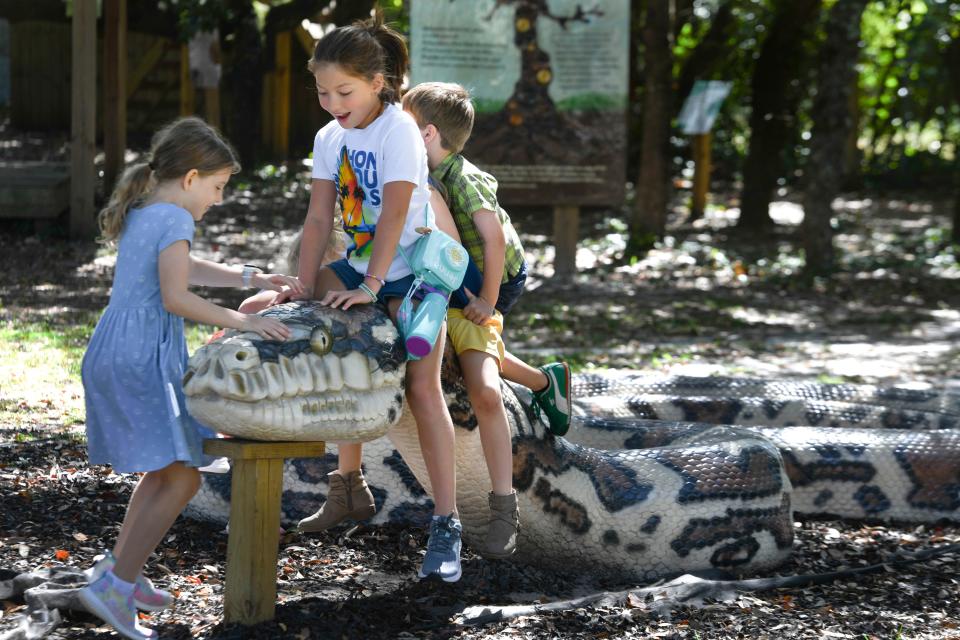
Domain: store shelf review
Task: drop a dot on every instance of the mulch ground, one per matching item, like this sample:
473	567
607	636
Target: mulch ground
704	298
361	583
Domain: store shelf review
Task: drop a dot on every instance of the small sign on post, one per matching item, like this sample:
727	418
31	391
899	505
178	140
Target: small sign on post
696	119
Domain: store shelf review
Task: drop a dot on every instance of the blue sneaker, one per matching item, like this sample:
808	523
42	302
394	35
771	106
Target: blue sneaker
443	550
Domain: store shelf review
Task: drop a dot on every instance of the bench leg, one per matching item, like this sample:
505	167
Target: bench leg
251	591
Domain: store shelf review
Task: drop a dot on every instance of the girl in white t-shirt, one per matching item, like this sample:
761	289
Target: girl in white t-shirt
371	161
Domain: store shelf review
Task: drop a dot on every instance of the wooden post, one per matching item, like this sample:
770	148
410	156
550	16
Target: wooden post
114	91
83	119
282	96
250	594
701	174
566	225
186	82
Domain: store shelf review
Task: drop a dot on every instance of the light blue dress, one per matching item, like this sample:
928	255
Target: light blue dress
133	369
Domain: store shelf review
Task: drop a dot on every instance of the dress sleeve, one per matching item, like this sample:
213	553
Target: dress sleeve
175	224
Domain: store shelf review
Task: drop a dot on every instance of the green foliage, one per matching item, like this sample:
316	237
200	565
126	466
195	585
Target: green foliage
196	15
910	122
909	119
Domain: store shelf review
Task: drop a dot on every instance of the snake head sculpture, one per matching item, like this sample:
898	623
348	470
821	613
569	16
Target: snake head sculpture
339	377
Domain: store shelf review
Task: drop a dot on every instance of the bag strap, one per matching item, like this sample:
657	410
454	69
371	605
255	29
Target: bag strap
426	223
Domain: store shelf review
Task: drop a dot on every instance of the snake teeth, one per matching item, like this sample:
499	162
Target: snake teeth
233	377
356	371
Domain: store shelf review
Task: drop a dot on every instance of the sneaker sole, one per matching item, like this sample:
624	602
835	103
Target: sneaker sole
356	517
434	577
151	607
94	606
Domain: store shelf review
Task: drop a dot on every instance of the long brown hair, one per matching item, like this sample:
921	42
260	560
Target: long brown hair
364	49
184	144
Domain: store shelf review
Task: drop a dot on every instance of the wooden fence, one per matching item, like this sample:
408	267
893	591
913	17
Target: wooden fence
157	71
40	78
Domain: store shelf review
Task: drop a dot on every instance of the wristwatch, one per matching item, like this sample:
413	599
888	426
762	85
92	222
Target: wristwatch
247	274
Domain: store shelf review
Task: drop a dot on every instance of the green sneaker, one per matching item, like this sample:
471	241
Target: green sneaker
555	399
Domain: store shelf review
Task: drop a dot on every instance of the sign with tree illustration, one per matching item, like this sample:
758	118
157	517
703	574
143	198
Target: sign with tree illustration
549	80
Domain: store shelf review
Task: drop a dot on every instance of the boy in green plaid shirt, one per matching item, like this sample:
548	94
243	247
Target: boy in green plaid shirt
444	113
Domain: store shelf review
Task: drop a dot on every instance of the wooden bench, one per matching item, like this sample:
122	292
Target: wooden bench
34	190
250	594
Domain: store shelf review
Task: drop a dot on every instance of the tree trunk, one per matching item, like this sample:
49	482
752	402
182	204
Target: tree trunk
777	85
831	129
650	213
952	56
244	80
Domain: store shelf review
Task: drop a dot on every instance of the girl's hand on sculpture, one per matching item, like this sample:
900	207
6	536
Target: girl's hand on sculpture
268	328
346	299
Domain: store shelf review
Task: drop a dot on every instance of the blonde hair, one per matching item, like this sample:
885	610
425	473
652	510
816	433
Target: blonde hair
336	244
364	49
445	105
184	144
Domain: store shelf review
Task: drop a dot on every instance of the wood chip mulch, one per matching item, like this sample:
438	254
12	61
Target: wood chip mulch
361	583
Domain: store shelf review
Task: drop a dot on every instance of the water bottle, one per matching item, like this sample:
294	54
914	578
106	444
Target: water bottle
439	263
424	326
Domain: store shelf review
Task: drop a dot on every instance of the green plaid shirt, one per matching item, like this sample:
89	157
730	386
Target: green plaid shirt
469	189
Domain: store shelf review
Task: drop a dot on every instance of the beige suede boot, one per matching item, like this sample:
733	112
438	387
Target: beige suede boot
349	497
501	539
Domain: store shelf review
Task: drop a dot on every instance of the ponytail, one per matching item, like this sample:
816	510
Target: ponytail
131	187
364	49
396	58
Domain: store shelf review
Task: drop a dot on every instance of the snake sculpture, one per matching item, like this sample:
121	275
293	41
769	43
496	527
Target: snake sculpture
652	479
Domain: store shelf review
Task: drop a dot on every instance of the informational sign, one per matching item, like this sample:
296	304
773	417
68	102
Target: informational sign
702	106
549	80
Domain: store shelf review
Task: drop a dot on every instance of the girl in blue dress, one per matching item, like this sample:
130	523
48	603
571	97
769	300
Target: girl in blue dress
137	420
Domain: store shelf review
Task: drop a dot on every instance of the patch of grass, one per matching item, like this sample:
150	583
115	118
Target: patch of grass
660	358
40	369
197	335
41	393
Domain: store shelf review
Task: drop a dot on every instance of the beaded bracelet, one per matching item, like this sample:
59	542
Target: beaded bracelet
367	290
382	282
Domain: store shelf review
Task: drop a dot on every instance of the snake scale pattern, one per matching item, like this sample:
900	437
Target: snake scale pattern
657	475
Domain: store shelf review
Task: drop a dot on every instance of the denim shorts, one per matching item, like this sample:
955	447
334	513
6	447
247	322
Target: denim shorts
351	280
510	290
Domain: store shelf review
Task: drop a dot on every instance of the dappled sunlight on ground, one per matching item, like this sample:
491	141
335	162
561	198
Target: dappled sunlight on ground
702	300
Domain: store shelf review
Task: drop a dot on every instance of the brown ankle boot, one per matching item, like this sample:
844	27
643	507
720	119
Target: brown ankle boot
501	539
348	497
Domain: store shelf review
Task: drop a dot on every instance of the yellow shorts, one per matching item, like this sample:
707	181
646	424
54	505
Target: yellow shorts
464	335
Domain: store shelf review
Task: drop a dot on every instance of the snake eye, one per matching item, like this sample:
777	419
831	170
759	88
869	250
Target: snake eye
321	341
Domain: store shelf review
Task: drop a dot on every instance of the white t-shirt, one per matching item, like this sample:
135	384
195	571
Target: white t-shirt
360	162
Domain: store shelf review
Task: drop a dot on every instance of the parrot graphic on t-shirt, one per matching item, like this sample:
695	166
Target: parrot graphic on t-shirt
351	197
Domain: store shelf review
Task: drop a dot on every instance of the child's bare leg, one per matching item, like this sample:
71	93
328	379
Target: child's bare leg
169	490
482	377
349	455
518	371
434	427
